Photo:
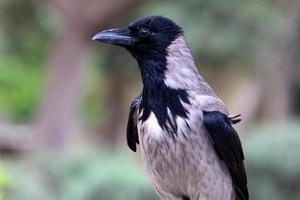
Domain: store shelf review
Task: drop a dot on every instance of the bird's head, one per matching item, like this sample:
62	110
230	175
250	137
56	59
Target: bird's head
146	38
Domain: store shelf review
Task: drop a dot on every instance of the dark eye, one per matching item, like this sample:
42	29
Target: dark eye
144	32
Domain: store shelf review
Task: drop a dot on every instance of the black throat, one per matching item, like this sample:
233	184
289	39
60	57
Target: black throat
157	97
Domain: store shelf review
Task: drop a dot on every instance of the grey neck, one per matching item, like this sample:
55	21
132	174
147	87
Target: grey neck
181	71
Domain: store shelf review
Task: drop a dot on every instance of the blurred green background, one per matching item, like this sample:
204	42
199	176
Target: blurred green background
64	99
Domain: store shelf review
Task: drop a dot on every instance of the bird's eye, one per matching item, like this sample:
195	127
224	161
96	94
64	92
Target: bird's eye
144	32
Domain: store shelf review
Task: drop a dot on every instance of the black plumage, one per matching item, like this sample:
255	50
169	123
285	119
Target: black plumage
132	131
228	146
181	124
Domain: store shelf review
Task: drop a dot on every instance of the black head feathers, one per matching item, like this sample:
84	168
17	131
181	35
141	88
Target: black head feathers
145	38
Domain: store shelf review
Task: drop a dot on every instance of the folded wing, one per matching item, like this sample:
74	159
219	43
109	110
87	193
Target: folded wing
132	132
228	147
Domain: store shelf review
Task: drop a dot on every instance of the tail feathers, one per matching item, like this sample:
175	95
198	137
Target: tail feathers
241	194
185	198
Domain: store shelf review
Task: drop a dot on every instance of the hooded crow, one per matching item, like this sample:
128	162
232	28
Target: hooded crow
188	144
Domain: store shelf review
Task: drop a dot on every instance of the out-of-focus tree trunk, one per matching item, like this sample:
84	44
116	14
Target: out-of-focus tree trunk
269	94
275	64
58	120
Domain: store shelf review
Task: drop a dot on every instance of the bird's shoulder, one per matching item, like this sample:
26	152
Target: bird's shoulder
218	124
132	132
209	103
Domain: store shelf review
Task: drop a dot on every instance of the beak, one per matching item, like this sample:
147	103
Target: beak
119	37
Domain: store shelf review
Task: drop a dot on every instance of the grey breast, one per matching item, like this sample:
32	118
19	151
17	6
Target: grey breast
186	164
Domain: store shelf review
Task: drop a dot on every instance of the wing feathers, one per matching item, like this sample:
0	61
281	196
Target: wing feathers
132	132
228	147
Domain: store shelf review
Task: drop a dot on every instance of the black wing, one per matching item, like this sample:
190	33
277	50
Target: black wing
228	147
132	132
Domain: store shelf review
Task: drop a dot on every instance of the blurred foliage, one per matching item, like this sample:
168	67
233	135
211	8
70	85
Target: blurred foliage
272	164
20	88
88	175
5	183
93	95
272	161
222	33
23	43
25	29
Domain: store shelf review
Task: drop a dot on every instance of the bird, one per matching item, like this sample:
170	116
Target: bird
187	141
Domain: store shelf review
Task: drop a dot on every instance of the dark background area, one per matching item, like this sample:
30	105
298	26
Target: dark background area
64	99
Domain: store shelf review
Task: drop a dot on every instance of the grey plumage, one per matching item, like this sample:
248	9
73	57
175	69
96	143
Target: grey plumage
187	165
188	145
